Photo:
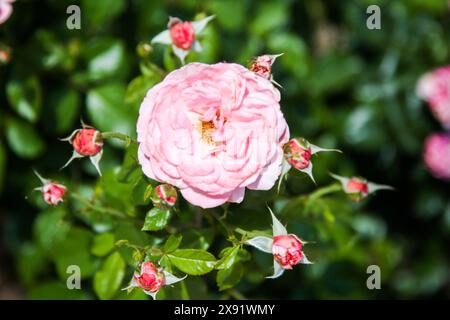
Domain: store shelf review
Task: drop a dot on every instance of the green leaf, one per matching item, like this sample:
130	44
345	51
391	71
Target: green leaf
31	263
156	219
108	279
73	249
25	97
192	261
140	190
107	111
100	12
228	257
23	140
130	169
103	244
138	87
106	58
50	227
64	108
197	238
172	243
228	278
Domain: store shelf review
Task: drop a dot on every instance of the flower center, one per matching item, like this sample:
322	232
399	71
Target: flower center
207	129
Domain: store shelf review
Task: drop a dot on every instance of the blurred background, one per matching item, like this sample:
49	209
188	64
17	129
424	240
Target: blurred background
344	86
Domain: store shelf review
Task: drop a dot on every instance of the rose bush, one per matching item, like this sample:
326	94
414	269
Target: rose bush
212	79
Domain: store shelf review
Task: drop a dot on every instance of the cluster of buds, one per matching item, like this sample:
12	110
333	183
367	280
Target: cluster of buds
151	279
164	195
262	65
52	192
287	249
182	36
86	142
6	10
297	154
359	188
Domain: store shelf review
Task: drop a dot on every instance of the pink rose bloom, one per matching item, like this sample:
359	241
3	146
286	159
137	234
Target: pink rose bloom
6	9
434	87
212	131
287	250
437	155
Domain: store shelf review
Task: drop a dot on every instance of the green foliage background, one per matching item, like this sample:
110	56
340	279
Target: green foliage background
344	86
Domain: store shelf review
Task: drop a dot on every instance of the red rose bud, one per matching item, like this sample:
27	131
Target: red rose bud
87	142
357	188
287	250
298	153
150	278
182	33
165	195
262	65
52	193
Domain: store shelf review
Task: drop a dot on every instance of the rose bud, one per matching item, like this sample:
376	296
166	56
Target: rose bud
437	155
86	142
182	33
285	248
359	188
297	153
434	87
151	279
182	36
164	195
52	193
5	54
262	65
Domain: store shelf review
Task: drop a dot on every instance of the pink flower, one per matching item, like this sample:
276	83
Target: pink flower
434	87
52	193
151	279
165	195
6	10
212	131
86	142
359	188
183	34
287	250
437	155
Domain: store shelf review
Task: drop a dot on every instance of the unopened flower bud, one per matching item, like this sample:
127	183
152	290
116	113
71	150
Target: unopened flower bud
87	142
182	33
287	250
52	193
150	278
298	153
165	195
357	188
